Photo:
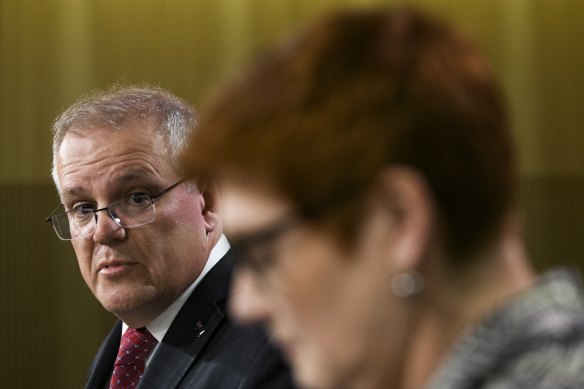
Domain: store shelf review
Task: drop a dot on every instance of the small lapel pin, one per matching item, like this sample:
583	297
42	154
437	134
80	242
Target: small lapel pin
200	329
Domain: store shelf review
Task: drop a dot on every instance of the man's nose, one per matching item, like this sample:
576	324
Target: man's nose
106	227
248	303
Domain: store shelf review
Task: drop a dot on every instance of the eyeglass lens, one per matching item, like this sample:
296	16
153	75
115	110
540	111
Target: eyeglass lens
133	211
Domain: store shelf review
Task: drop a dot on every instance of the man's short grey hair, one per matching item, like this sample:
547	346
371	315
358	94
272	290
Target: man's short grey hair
112	108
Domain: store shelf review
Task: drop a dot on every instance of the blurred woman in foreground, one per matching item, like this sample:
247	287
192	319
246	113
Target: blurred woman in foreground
368	181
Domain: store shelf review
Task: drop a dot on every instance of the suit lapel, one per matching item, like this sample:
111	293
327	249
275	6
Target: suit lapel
192	328
103	364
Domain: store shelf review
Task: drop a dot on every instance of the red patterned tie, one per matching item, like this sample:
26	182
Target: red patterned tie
135	346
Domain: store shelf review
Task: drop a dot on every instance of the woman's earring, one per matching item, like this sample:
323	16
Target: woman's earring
407	284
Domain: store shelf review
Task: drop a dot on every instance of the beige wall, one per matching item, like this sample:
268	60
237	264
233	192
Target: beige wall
52	51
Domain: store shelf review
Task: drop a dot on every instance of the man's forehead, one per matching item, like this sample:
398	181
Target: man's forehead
113	183
121	177
111	158
82	146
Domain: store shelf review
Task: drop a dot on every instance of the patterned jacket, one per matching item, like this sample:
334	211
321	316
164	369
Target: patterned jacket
534	342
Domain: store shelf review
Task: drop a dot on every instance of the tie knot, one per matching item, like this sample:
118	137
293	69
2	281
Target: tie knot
135	346
136	343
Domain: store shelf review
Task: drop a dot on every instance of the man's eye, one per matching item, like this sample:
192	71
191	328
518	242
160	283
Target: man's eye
138	199
83	210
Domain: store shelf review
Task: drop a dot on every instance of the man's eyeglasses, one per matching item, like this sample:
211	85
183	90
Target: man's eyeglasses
137	209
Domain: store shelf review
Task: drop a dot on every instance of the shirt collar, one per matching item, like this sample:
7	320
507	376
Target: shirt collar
159	326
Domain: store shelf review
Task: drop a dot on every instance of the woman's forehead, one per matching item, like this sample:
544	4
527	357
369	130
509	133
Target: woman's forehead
247	207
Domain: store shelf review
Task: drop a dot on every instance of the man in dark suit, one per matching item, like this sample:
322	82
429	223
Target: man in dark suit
150	247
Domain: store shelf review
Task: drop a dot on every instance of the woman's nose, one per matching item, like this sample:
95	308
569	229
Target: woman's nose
248	303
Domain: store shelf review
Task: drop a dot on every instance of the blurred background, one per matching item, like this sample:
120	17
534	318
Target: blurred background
52	51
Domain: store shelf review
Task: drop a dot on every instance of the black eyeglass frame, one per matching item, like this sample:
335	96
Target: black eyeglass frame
264	238
267	236
52	215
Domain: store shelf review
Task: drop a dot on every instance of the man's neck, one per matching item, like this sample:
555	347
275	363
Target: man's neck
161	322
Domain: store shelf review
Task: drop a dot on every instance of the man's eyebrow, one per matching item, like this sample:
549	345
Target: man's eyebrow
72	191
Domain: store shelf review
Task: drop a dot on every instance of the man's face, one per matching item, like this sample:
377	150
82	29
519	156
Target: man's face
135	273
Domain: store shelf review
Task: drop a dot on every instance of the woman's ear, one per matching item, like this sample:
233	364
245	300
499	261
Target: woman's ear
408	201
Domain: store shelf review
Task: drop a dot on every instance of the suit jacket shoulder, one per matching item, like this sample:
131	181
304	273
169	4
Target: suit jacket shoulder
203	348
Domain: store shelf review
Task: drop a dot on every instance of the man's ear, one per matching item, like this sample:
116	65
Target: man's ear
211	205
407	198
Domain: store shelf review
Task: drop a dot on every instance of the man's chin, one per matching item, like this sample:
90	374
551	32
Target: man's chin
124	300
